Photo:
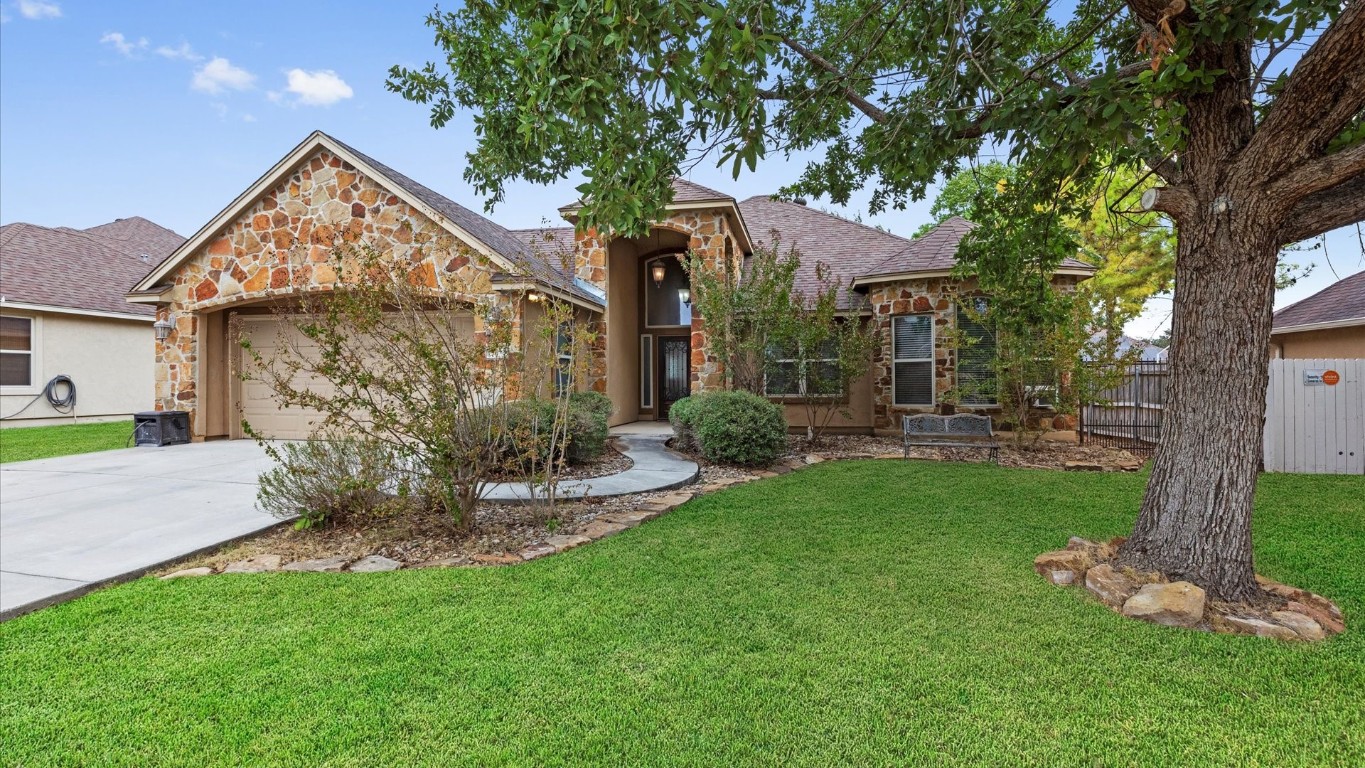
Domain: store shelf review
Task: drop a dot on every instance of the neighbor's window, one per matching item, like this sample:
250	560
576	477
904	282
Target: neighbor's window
664	305
16	351
912	368
563	359
791	372
976	353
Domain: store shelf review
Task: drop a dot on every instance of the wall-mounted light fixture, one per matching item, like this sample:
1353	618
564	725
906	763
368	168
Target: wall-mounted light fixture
657	272
163	327
685	296
534	296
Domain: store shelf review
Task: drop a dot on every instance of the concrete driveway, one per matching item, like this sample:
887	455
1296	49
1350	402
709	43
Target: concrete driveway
71	524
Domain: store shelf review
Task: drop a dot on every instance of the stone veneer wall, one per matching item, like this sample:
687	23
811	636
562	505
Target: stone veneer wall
284	244
707	232
935	296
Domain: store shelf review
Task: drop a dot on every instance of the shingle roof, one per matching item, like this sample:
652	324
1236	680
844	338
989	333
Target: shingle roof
848	248
516	249
1339	302
936	251
81	269
685	191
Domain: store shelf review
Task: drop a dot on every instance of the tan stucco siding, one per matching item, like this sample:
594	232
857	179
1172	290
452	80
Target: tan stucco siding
1346	342
109	360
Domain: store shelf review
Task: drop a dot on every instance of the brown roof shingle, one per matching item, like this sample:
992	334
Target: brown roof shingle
1340	302
81	269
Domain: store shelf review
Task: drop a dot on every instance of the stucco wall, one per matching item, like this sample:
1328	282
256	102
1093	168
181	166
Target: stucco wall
109	360
1329	342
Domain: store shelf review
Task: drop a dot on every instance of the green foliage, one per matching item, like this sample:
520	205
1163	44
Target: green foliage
27	443
737	427
682	415
852	613
328	480
534	443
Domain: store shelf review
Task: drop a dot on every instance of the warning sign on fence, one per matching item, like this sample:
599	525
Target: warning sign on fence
1320	377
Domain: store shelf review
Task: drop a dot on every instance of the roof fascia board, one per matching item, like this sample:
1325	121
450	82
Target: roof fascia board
537	285
19	305
1324	326
859	282
740	228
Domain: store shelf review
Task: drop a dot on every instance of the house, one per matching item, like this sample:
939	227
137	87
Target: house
63	313
274	241
1328	324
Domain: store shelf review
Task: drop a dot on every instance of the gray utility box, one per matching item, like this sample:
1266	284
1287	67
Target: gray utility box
161	427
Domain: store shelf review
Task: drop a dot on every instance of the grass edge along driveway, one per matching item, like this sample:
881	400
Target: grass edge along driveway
26	443
867	613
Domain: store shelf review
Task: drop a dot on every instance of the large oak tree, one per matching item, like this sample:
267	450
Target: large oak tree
1249	113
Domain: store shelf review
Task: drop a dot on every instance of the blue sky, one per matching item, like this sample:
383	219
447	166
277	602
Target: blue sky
168	110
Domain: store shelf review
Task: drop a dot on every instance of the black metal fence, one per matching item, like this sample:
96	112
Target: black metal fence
1128	415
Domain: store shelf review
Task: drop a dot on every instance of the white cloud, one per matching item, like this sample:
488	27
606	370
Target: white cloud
39	9
182	51
123	45
320	88
219	75
248	118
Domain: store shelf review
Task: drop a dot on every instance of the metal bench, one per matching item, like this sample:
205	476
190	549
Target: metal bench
958	431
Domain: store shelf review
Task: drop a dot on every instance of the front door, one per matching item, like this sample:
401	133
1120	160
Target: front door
675	371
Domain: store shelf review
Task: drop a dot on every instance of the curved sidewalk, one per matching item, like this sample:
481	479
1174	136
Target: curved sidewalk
653	468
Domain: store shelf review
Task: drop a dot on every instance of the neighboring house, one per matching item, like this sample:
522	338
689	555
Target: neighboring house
62	313
275	240
1328	324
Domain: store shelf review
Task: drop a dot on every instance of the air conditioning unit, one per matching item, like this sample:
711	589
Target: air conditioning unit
158	428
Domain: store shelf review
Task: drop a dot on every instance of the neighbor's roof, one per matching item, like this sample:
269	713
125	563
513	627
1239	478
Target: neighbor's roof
85	270
936	251
1340	304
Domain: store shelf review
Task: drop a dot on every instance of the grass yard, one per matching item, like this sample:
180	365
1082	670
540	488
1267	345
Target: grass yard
24	443
863	613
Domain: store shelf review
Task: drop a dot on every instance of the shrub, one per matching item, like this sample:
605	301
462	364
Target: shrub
529	424
683	415
326	480
739	428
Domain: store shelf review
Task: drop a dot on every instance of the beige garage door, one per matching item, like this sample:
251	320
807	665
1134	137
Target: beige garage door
260	407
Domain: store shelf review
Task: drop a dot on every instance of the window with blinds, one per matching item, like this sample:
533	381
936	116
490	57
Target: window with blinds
976	353
912	351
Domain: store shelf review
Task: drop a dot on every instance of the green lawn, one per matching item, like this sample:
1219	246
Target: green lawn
24	443
865	613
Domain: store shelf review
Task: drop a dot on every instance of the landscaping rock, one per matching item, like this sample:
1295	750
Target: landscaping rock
1248	625
1076	542
1332	624
600	529
444	562
539	550
255	564
765	474
1303	626
322	564
200	571
484	558
1178	604
563	542
629	519
375	564
1062	567
1083	466
1112	587
814	458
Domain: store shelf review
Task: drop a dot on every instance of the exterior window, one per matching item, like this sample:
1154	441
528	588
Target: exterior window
912	367
646	371
664	305
976	354
790	372
563	360
16	352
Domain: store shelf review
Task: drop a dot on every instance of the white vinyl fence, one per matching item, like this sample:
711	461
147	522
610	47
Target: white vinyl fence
1315	417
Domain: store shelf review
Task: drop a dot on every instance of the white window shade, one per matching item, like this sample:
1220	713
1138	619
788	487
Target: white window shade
912	340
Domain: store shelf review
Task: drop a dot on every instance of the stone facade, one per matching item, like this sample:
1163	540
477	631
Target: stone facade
285	244
709	236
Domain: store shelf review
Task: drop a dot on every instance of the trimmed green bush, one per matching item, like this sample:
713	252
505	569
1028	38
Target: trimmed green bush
529	422
734	427
682	415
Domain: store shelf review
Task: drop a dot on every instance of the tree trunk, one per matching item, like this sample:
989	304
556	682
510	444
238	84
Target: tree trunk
1195	521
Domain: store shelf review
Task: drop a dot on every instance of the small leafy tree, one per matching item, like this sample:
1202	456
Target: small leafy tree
406	357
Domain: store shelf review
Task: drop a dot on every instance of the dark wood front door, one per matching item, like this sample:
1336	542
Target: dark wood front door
675	371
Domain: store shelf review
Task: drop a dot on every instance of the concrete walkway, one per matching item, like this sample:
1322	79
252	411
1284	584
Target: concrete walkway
653	468
70	524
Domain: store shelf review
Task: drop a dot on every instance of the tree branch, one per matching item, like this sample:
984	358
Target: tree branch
1324	211
1320	173
1324	92
873	112
1176	202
